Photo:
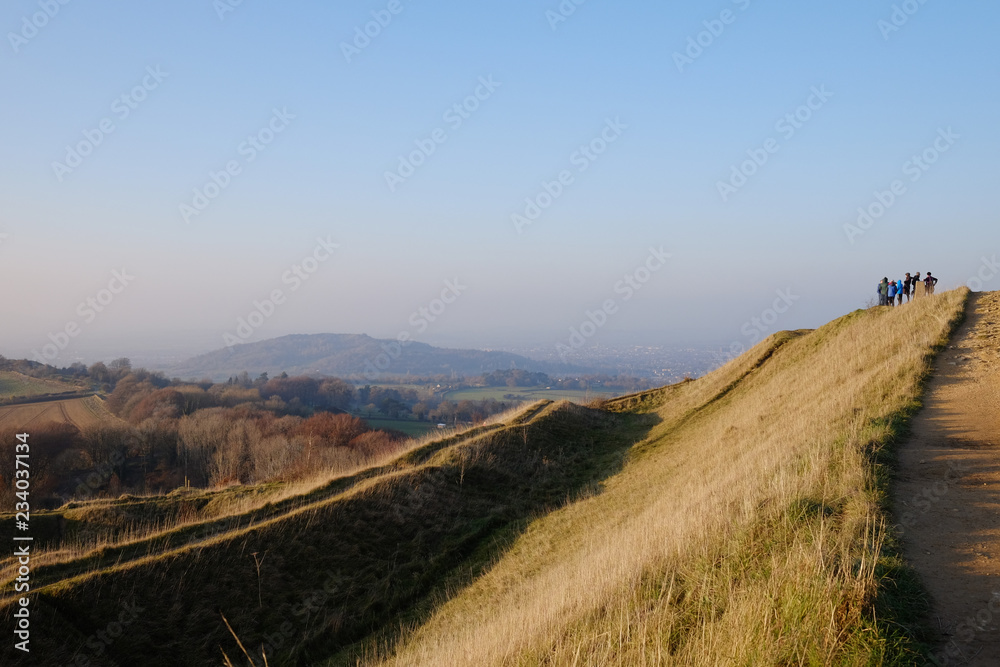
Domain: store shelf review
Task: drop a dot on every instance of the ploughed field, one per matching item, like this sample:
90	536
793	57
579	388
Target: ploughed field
80	412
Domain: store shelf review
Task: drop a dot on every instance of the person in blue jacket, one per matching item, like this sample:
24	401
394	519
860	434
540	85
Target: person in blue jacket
899	292
891	293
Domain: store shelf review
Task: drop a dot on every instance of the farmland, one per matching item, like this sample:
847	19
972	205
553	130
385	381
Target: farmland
17	384
581	396
410	427
81	412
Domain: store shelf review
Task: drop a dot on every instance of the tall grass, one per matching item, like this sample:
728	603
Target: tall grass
750	526
140	526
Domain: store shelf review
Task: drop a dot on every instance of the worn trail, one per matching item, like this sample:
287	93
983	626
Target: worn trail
948	490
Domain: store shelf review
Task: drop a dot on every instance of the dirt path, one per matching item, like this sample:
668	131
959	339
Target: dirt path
948	490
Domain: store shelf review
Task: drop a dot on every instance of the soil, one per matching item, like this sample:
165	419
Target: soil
947	490
81	412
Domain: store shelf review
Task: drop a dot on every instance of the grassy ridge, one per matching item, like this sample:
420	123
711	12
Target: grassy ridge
749	528
13	384
740	518
332	570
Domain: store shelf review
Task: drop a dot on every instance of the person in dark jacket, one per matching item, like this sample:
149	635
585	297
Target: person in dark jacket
883	291
929	283
907	287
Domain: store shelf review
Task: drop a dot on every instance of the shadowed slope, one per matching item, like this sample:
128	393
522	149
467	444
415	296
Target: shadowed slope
328	568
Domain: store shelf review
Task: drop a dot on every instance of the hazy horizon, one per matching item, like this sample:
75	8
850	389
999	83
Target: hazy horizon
516	170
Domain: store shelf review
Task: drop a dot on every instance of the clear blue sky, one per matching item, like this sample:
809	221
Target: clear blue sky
679	132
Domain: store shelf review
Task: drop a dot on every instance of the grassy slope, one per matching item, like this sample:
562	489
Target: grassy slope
749	528
350	557
18	384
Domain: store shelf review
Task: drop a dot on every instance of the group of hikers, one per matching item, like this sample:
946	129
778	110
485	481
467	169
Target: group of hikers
891	292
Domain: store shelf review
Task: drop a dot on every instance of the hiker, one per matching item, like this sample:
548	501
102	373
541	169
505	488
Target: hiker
907	287
891	292
883	291
899	292
929	283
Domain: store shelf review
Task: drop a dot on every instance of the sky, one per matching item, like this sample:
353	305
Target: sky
671	173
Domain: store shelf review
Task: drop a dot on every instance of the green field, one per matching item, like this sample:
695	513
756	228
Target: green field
17	384
410	427
528	394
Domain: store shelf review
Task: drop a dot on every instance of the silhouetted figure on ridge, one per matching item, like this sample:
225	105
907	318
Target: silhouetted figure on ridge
929	283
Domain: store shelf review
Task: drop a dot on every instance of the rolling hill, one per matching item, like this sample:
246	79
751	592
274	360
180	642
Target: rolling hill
14	385
740	518
353	356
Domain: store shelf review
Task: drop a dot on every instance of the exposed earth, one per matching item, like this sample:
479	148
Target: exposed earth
948	490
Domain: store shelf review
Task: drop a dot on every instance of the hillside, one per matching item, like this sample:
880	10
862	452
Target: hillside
14	385
741	518
352	356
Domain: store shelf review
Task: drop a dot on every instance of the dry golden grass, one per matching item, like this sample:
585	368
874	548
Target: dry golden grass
748	527
140	526
364	553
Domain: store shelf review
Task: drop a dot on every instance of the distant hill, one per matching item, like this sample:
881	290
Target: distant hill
354	356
